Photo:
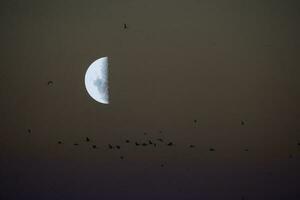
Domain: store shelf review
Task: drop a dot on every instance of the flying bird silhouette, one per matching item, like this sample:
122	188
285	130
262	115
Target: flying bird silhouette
161	140
170	144
50	83
195	123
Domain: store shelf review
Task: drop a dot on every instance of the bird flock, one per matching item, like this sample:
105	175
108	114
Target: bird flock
155	143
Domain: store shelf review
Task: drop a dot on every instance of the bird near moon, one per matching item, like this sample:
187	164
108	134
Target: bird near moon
96	80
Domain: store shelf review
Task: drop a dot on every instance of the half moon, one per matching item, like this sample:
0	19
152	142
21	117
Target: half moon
96	80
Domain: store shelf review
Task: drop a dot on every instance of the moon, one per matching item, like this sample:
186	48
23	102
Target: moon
96	80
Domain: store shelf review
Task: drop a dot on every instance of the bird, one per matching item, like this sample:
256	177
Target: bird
87	139
211	149
127	141
242	123
298	143
144	144
195	123
246	150
170	144
29	130
192	146
76	144
59	142
122	157
94	146
50	83
154	144
137	144
118	147
150	142
110	146
125	26
161	140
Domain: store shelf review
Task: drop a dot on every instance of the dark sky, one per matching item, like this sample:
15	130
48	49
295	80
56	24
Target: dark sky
231	65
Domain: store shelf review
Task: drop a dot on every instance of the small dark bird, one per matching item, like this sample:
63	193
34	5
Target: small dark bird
150	142
144	144
170	144
246	150
298	143
59	142
87	139
161	140
154	144
118	147
137	144
195	123
76	144
127	141
211	149
29	130
192	146
122	157
50	83
110	146
125	26
242	123
94	146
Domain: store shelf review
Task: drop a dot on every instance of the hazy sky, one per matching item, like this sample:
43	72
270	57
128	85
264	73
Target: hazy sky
219	62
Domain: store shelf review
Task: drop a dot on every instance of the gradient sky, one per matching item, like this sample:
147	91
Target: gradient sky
219	62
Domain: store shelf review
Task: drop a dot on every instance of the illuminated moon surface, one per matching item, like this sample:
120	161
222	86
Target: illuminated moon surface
96	80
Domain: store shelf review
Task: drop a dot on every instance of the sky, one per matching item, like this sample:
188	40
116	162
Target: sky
220	75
